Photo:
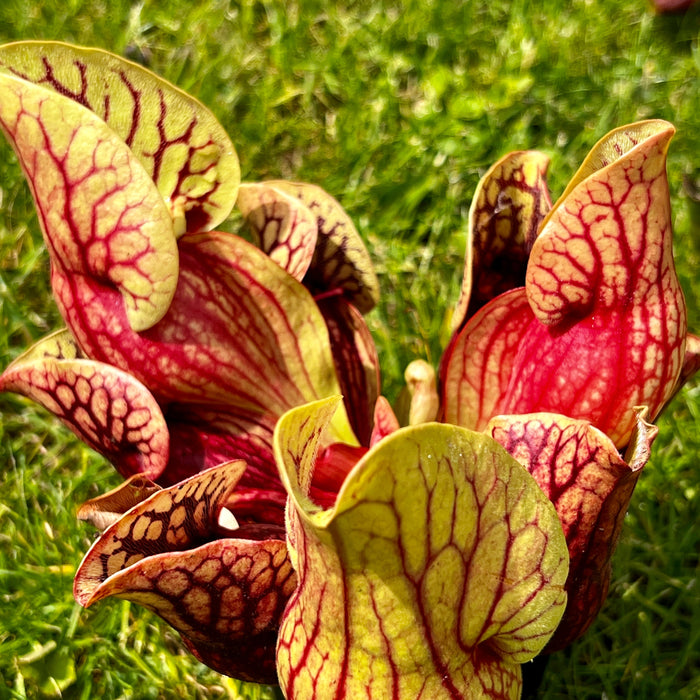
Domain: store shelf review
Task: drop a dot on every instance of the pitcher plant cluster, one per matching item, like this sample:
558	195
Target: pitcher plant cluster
275	511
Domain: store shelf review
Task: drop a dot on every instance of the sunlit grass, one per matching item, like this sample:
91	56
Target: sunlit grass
396	109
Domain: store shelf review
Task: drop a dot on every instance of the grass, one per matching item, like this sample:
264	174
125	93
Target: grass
396	109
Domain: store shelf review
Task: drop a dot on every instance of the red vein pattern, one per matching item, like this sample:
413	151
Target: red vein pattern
170	520
590	486
283	226
224	595
341	261
437	572
356	362
601	324
105	407
176	139
510	202
99	210
210	321
240	332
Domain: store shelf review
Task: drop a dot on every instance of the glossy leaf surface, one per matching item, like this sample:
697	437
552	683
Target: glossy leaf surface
177	140
477	366
107	408
174	554
601	325
240	333
580	470
439	569
284	227
100	212
341	261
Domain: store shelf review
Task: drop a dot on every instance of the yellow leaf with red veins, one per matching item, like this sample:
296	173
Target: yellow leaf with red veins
606	244
225	598
602	279
100	212
438	571
240	333
180	554
590	485
170	520
107	408
600	326
612	147
283	226
341	261
177	140
509	204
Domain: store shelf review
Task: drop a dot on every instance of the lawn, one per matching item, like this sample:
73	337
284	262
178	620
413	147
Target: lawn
397	109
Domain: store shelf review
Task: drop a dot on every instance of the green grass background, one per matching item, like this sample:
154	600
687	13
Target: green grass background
396	109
